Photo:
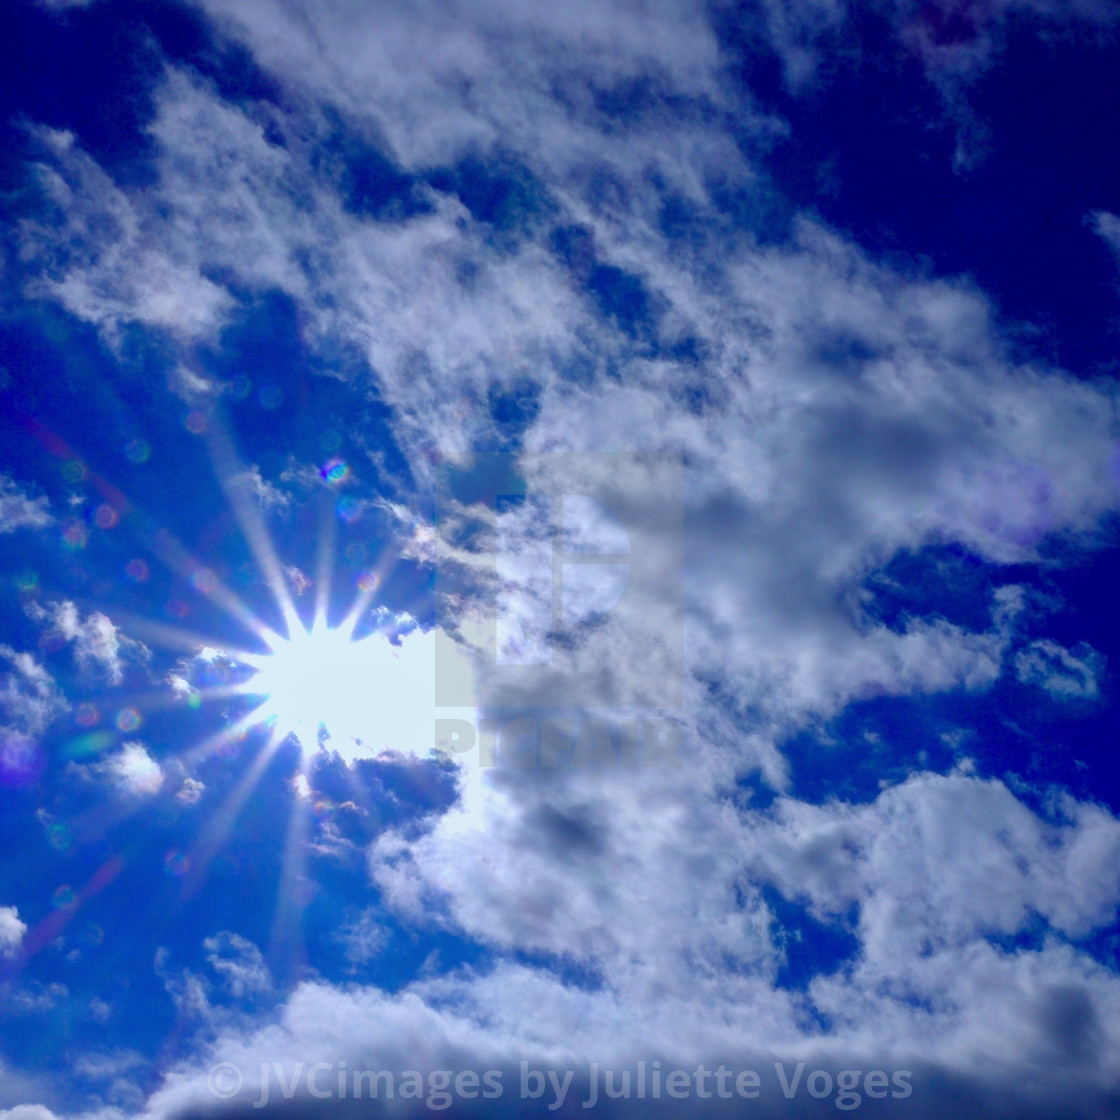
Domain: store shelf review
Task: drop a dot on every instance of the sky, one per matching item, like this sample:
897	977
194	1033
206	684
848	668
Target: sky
559	559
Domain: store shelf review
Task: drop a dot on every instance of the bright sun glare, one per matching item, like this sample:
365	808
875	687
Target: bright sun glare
315	678
364	694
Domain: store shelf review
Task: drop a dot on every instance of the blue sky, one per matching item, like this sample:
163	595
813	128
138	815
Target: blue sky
543	539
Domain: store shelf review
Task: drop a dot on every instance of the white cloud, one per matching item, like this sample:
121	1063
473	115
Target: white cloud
99	646
11	931
36	998
955	45
363	938
268	495
30	700
101	1066
298	581
18	511
122	277
191	386
239	963
131	769
1107	226
1063	673
27	1112
939	861
191	791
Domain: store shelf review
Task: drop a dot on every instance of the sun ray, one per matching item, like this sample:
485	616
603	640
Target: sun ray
176	637
328	531
178	559
285	941
220	825
227	467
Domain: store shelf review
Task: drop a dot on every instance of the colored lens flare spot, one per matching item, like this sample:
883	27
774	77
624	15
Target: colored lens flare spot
87	715
335	471
64	897
74	471
137	451
75	535
176	863
349	509
128	719
21	761
271	397
106	517
204	581
229	749
91	934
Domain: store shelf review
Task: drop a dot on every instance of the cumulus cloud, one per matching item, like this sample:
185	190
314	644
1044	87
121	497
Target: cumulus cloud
11	931
27	1112
131	770
998	865
298	580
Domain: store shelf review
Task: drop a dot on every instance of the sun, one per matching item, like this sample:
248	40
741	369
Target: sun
316	683
355	697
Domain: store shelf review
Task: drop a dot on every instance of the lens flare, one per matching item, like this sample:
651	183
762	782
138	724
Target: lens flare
128	719
64	897
335	471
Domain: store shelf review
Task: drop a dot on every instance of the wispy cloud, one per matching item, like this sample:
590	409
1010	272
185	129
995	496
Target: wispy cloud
30	699
1061	672
18	511
99	646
